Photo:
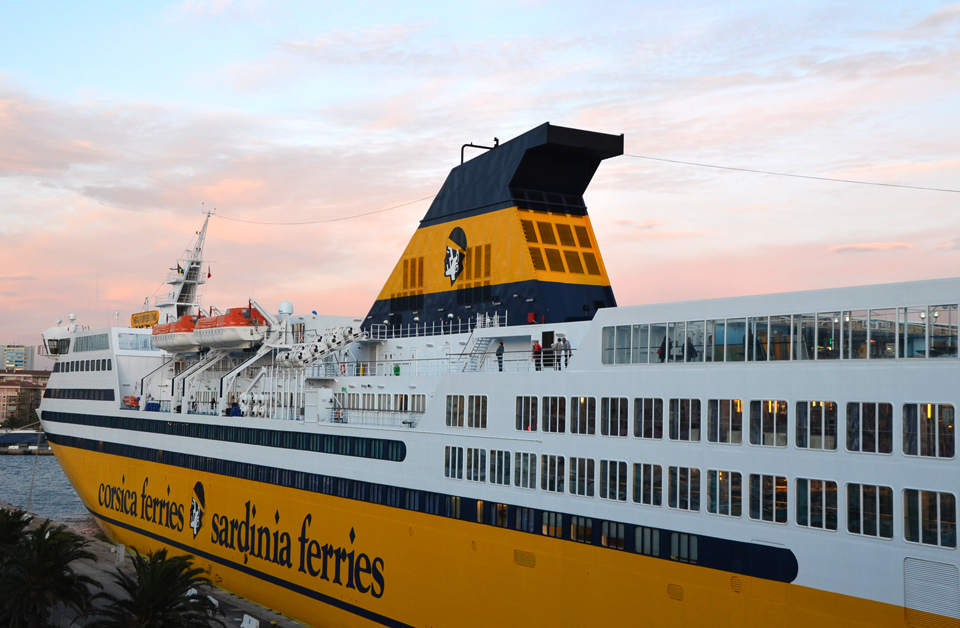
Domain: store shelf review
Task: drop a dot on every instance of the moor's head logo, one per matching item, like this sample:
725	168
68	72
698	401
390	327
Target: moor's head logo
196	509
456	251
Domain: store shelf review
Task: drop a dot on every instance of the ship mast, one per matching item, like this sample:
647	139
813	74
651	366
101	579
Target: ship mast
186	280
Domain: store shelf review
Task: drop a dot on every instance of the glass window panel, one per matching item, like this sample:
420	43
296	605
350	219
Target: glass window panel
694	347
623	344
948	520
828	336
883	334
640	344
658	338
713	343
943	331
855	335
913	332
608	344
780	337
805	337
758	328
676	333
946	434
735	337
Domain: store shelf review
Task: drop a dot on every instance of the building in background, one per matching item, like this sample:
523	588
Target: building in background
17	357
20	394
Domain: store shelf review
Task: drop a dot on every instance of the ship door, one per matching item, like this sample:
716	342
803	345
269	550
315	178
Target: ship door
547	343
311	405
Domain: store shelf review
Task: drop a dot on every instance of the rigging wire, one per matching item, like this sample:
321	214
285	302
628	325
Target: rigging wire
796	176
316	222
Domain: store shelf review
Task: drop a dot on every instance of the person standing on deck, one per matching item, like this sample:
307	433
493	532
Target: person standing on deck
567	352
556	357
500	356
537	353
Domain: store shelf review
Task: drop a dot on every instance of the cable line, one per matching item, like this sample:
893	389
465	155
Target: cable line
316	222
796	176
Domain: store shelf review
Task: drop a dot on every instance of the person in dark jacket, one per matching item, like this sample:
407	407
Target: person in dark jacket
500	356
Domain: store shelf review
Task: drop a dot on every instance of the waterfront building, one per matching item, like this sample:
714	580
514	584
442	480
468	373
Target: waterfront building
17	357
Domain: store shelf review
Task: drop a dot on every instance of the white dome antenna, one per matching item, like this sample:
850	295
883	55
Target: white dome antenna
286	308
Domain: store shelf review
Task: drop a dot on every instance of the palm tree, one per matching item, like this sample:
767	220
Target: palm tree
12	525
36	576
159	596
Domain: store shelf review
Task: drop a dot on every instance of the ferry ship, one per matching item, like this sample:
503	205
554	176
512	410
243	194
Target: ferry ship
774	460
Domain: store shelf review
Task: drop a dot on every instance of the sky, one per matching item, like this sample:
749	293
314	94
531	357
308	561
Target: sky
121	122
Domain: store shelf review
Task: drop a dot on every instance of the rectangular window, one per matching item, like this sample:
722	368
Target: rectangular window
613	416
581	529
648	418
581	476
736	339
683	547
612	535
646	541
500	467
551	473
870	510
724	493
640	344
758	328
454	410
554	414
623	344
553	524
583	415
647	484
768	423
930	517
476	411
768	498
928	430
725	421
685	419
817	504
870	427
527	414
883	334
943	331
476	465
607	345
684	489
453	463
855	324
498	514
452	507
525	471
817	425
613	480
526	519
101	342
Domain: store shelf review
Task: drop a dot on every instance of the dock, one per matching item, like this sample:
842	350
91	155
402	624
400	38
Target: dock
237	611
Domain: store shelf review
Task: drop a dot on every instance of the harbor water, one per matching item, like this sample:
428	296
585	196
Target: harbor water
53	497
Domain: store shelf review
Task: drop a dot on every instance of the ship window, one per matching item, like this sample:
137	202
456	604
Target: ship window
646	541
883	334
607	345
573	262
735	336
109	364
583	238
648	418
817	503
683	547
855	334
476	411
684	489
555	261
928	430
758	328
724	493
685	419
454	411
805	332
943	331
623	344
725	421
930	517
551	473
554	414
613	480
817	425
528	231
780	335
768	423
526	519
527	414
828	335
612	535
870	427
476	465
552	524
583	415
56	367
525	473
453	463
768	498
500	467
639	344
913	332
613	416
565	233
537	257
412	500
581	476
498	515
546	233
452	507
590	261
581	529
870	510
658	338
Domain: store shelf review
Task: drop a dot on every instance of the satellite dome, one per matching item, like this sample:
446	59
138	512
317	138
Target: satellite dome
286	308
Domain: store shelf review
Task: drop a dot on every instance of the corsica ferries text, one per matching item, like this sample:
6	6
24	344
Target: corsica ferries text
157	510
336	565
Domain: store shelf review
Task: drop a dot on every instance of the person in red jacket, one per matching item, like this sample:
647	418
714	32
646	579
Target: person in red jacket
537	354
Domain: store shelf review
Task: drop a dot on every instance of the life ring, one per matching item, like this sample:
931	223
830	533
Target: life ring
343	368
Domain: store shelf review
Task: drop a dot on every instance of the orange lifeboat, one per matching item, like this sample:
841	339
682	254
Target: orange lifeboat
239	327
176	337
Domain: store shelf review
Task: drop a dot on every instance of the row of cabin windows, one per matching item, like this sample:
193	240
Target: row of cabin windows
928	429
89	394
385	402
647	541
75	366
929	516
474	406
878	334
377	448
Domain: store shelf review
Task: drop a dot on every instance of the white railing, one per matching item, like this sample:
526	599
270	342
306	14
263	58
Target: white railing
381	331
356	416
513	362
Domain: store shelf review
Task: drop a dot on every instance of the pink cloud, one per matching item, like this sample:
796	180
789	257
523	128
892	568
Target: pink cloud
869	246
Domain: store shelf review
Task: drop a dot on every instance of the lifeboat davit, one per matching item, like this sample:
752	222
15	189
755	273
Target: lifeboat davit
176	337
239	327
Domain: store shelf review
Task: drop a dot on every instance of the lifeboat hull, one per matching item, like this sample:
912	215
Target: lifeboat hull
229	337
179	342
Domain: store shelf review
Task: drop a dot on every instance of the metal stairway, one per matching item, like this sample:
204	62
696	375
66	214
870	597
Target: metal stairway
477	355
